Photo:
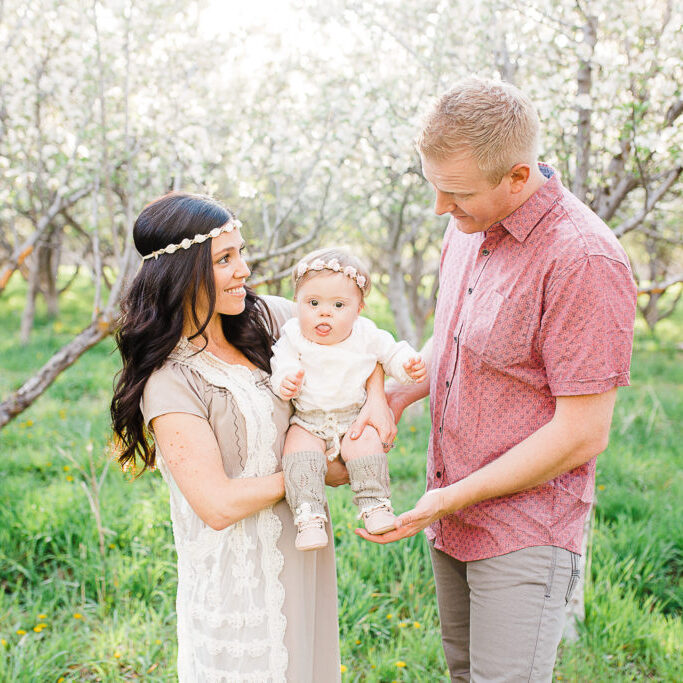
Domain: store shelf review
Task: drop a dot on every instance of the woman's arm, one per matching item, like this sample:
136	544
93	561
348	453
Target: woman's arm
191	452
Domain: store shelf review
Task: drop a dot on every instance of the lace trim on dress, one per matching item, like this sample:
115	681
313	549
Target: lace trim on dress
230	596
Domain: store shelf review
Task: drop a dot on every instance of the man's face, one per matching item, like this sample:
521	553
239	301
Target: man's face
463	191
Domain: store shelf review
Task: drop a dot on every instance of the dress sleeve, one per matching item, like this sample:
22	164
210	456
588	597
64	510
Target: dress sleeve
390	353
281	309
285	361
173	389
586	333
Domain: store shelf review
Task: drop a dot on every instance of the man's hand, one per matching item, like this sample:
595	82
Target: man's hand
426	511
416	368
291	385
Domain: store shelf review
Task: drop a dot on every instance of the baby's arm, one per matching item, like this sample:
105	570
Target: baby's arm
287	375
399	359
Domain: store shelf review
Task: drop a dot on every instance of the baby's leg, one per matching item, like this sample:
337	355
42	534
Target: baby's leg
368	470
304	466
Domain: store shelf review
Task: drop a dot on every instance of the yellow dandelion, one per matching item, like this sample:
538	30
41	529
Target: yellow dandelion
357	642
3	642
69	477
66	468
375	595
48	464
601	487
29	423
38	628
417	624
390	616
401	665
112	546
117	654
78	615
21	632
372	666
157	641
343	668
413	428
42	616
62	413
403	624
61	679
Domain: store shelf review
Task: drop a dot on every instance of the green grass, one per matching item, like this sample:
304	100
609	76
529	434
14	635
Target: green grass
109	616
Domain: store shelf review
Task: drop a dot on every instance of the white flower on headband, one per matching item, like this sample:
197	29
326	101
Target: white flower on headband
333	265
197	239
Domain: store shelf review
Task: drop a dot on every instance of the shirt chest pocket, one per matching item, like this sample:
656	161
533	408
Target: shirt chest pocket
498	329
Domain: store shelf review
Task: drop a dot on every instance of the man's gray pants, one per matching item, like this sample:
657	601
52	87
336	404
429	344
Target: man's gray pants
502	618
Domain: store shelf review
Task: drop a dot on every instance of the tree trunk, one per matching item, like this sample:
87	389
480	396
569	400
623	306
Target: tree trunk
29	314
399	304
18	401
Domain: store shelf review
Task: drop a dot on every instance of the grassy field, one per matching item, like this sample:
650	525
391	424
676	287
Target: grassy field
82	601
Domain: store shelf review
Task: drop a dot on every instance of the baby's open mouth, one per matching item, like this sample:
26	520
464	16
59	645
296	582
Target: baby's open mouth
323	328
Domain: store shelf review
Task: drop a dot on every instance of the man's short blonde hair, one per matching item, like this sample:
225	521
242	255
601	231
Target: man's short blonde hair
492	120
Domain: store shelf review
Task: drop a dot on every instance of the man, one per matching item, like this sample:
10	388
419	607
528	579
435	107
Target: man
532	336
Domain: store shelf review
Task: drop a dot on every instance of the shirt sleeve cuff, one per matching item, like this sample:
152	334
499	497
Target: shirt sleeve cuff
579	387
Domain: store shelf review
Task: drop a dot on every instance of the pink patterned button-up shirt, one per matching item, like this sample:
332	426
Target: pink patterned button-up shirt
540	305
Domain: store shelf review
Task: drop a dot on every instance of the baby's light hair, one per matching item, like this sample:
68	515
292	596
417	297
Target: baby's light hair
329	260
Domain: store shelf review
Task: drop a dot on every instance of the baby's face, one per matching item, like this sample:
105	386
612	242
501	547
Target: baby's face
328	305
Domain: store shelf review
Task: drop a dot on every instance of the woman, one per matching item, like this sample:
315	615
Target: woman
196	346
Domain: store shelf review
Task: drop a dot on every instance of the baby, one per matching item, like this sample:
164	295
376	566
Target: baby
322	361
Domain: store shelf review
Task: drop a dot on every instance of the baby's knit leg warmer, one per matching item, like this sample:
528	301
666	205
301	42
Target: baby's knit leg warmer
305	484
369	479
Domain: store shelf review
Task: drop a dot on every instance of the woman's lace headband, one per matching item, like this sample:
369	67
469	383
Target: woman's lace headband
333	265
197	239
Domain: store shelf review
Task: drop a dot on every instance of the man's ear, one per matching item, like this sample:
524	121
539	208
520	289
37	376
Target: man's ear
518	175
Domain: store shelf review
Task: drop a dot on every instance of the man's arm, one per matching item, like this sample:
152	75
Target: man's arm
578	431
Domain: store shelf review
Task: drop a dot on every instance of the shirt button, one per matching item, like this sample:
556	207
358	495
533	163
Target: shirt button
438	475
485	252
469	290
440	430
455	338
448	384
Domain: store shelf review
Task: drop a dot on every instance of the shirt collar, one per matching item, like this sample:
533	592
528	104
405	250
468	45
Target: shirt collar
524	219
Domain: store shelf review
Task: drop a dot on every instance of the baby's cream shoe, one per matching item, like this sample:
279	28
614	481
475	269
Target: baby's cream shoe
379	519
311	534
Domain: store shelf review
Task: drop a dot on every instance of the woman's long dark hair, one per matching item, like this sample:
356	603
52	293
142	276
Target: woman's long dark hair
153	310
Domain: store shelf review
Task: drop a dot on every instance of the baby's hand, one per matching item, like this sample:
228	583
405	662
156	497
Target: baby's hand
416	368
291	385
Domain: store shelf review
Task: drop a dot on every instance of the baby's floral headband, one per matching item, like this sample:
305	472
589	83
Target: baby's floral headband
333	265
197	239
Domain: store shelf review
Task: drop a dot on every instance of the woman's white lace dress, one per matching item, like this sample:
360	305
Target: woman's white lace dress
249	606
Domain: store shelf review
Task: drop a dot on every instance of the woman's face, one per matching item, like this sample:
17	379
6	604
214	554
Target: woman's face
230	272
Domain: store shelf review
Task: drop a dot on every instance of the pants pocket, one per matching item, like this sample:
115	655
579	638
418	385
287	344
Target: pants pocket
573	577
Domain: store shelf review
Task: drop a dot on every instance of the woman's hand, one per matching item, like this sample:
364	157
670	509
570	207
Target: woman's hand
376	413
426	511
337	474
